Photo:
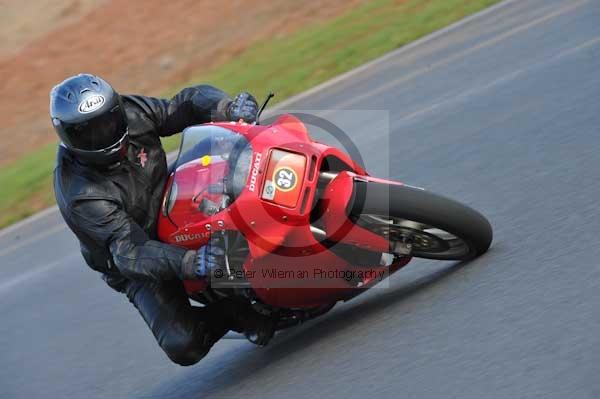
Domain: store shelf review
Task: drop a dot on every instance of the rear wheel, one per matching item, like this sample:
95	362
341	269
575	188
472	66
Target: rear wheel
419	223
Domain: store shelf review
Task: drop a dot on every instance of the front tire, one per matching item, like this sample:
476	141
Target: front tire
420	223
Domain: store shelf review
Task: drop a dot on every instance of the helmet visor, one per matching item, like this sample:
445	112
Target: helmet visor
99	133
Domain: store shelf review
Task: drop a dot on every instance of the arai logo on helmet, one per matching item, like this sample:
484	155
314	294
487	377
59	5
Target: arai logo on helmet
91	103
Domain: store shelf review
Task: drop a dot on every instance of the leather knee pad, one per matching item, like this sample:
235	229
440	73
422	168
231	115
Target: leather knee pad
184	350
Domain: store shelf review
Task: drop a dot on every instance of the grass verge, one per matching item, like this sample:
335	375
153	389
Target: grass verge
288	65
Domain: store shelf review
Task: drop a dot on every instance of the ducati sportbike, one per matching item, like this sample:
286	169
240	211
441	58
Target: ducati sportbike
304	225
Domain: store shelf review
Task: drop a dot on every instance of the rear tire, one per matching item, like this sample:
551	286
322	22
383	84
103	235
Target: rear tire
433	226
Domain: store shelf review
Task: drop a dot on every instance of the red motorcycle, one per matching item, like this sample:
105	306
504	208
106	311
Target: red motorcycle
304	225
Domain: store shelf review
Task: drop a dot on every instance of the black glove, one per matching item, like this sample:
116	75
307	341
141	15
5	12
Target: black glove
210	257
243	106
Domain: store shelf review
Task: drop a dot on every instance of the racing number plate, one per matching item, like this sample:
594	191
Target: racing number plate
283	180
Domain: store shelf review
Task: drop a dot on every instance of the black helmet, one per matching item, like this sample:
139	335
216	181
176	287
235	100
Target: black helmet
89	118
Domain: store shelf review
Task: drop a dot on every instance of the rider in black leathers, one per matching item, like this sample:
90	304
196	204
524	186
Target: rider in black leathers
109	179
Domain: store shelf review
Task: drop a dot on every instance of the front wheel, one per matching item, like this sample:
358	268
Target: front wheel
419	223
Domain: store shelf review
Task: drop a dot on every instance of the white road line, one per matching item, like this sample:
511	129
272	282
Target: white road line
32	239
25	277
29	220
393	54
456	98
460	55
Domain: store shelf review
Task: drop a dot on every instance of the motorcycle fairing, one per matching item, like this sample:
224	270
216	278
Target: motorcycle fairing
277	226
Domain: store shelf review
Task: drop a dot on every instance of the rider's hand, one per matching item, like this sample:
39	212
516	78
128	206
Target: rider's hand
210	257
243	106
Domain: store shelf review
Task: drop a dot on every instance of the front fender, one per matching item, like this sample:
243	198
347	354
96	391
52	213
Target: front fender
343	195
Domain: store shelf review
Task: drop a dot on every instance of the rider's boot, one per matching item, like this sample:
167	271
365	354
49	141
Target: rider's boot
242	318
259	329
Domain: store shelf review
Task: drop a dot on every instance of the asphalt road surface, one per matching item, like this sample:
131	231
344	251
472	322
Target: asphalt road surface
501	112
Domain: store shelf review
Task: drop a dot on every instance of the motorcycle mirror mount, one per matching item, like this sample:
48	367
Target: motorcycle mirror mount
262	108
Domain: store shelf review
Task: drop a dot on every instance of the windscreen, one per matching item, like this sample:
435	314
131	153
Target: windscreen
210	172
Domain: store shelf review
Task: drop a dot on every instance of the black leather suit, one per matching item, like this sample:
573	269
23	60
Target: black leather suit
113	213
